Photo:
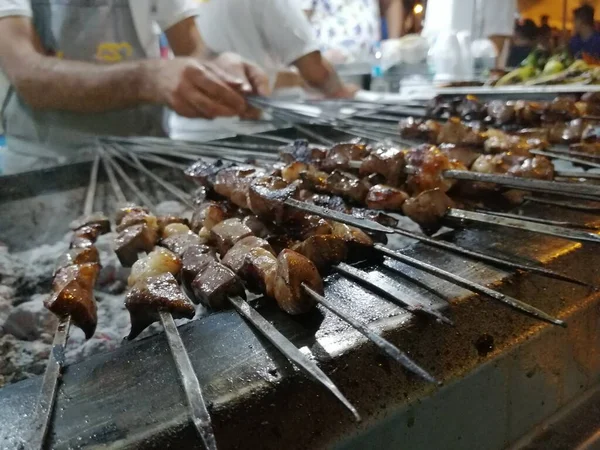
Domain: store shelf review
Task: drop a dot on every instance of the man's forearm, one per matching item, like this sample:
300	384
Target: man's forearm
394	17
320	74
52	83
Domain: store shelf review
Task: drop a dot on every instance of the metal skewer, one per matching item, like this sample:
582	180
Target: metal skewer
189	381
582	162
556	223
564	204
379	342
56	359
373	226
470	285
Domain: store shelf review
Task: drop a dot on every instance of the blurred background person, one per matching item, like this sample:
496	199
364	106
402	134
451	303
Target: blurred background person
586	39
524	41
349	30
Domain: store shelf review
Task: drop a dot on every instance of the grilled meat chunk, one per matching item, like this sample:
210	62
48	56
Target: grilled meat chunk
73	294
301	150
204	172
173	229
81	242
294	270
501	112
323	250
386	161
292	171
129	209
227	233
96	219
348	186
340	155
132	240
259	270
351	235
149	296
158	261
233	183
214	284
428	164
427	209
236	256
209	214
390	198
538	167
195	258
259	229
76	256
411	128
457	153
267	196
165	221
178	243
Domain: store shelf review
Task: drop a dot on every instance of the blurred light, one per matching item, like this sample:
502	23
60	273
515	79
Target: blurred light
418	9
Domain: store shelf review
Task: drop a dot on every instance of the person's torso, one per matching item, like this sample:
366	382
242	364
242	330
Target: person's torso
98	31
590	46
349	25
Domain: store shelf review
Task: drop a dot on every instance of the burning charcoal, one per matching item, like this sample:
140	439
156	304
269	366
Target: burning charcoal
294	269
154	294
227	233
214	284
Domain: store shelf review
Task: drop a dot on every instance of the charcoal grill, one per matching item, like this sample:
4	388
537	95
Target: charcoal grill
503	373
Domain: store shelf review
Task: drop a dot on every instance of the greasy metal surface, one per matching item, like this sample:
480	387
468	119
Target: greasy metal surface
130	398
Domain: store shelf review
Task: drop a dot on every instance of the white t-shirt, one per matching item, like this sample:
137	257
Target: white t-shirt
269	33
348	27
146	15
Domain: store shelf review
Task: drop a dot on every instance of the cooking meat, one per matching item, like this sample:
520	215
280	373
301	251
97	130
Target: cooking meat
390	198
537	167
204	172
501	112
133	240
291	172
257	226
427	209
428	164
195	258
149	296
350	235
173	229
209	214
267	196
259	271
294	270
460	154
411	128
227	233
387	161
96	219
164	221
340	155
178	243
214	284
348	186
75	256
129	208
301	150
323	250
73	294
236	256
158	261
136	217
233	183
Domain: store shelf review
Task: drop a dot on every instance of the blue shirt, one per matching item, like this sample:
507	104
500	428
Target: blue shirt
590	46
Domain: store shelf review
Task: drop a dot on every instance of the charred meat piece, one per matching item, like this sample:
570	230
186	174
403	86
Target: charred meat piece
130	208
96	219
386	161
385	197
471	109
452	132
302	225
73	294
496	164
87	232
209	214
259	270
427	209
195	258
292	171
236	256
417	129
136	217
227	233
377	216
81	242
348	186
529	113
267	196
323	250
76	256
501	112
460	154
259	229
204	172
164	221
591	133
158	261
301	150
149	296
133	240
293	270
214	284
351	235
233	183
538	167
562	108
178	243
428	164
340	155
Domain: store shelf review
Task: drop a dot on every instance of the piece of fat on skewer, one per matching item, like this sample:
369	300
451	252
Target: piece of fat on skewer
96	219
73	295
158	261
152	295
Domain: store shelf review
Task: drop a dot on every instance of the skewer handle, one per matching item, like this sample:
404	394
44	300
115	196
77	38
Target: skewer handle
191	385
45	405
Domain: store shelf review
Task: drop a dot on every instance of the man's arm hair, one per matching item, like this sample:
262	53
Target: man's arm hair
47	82
319	74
